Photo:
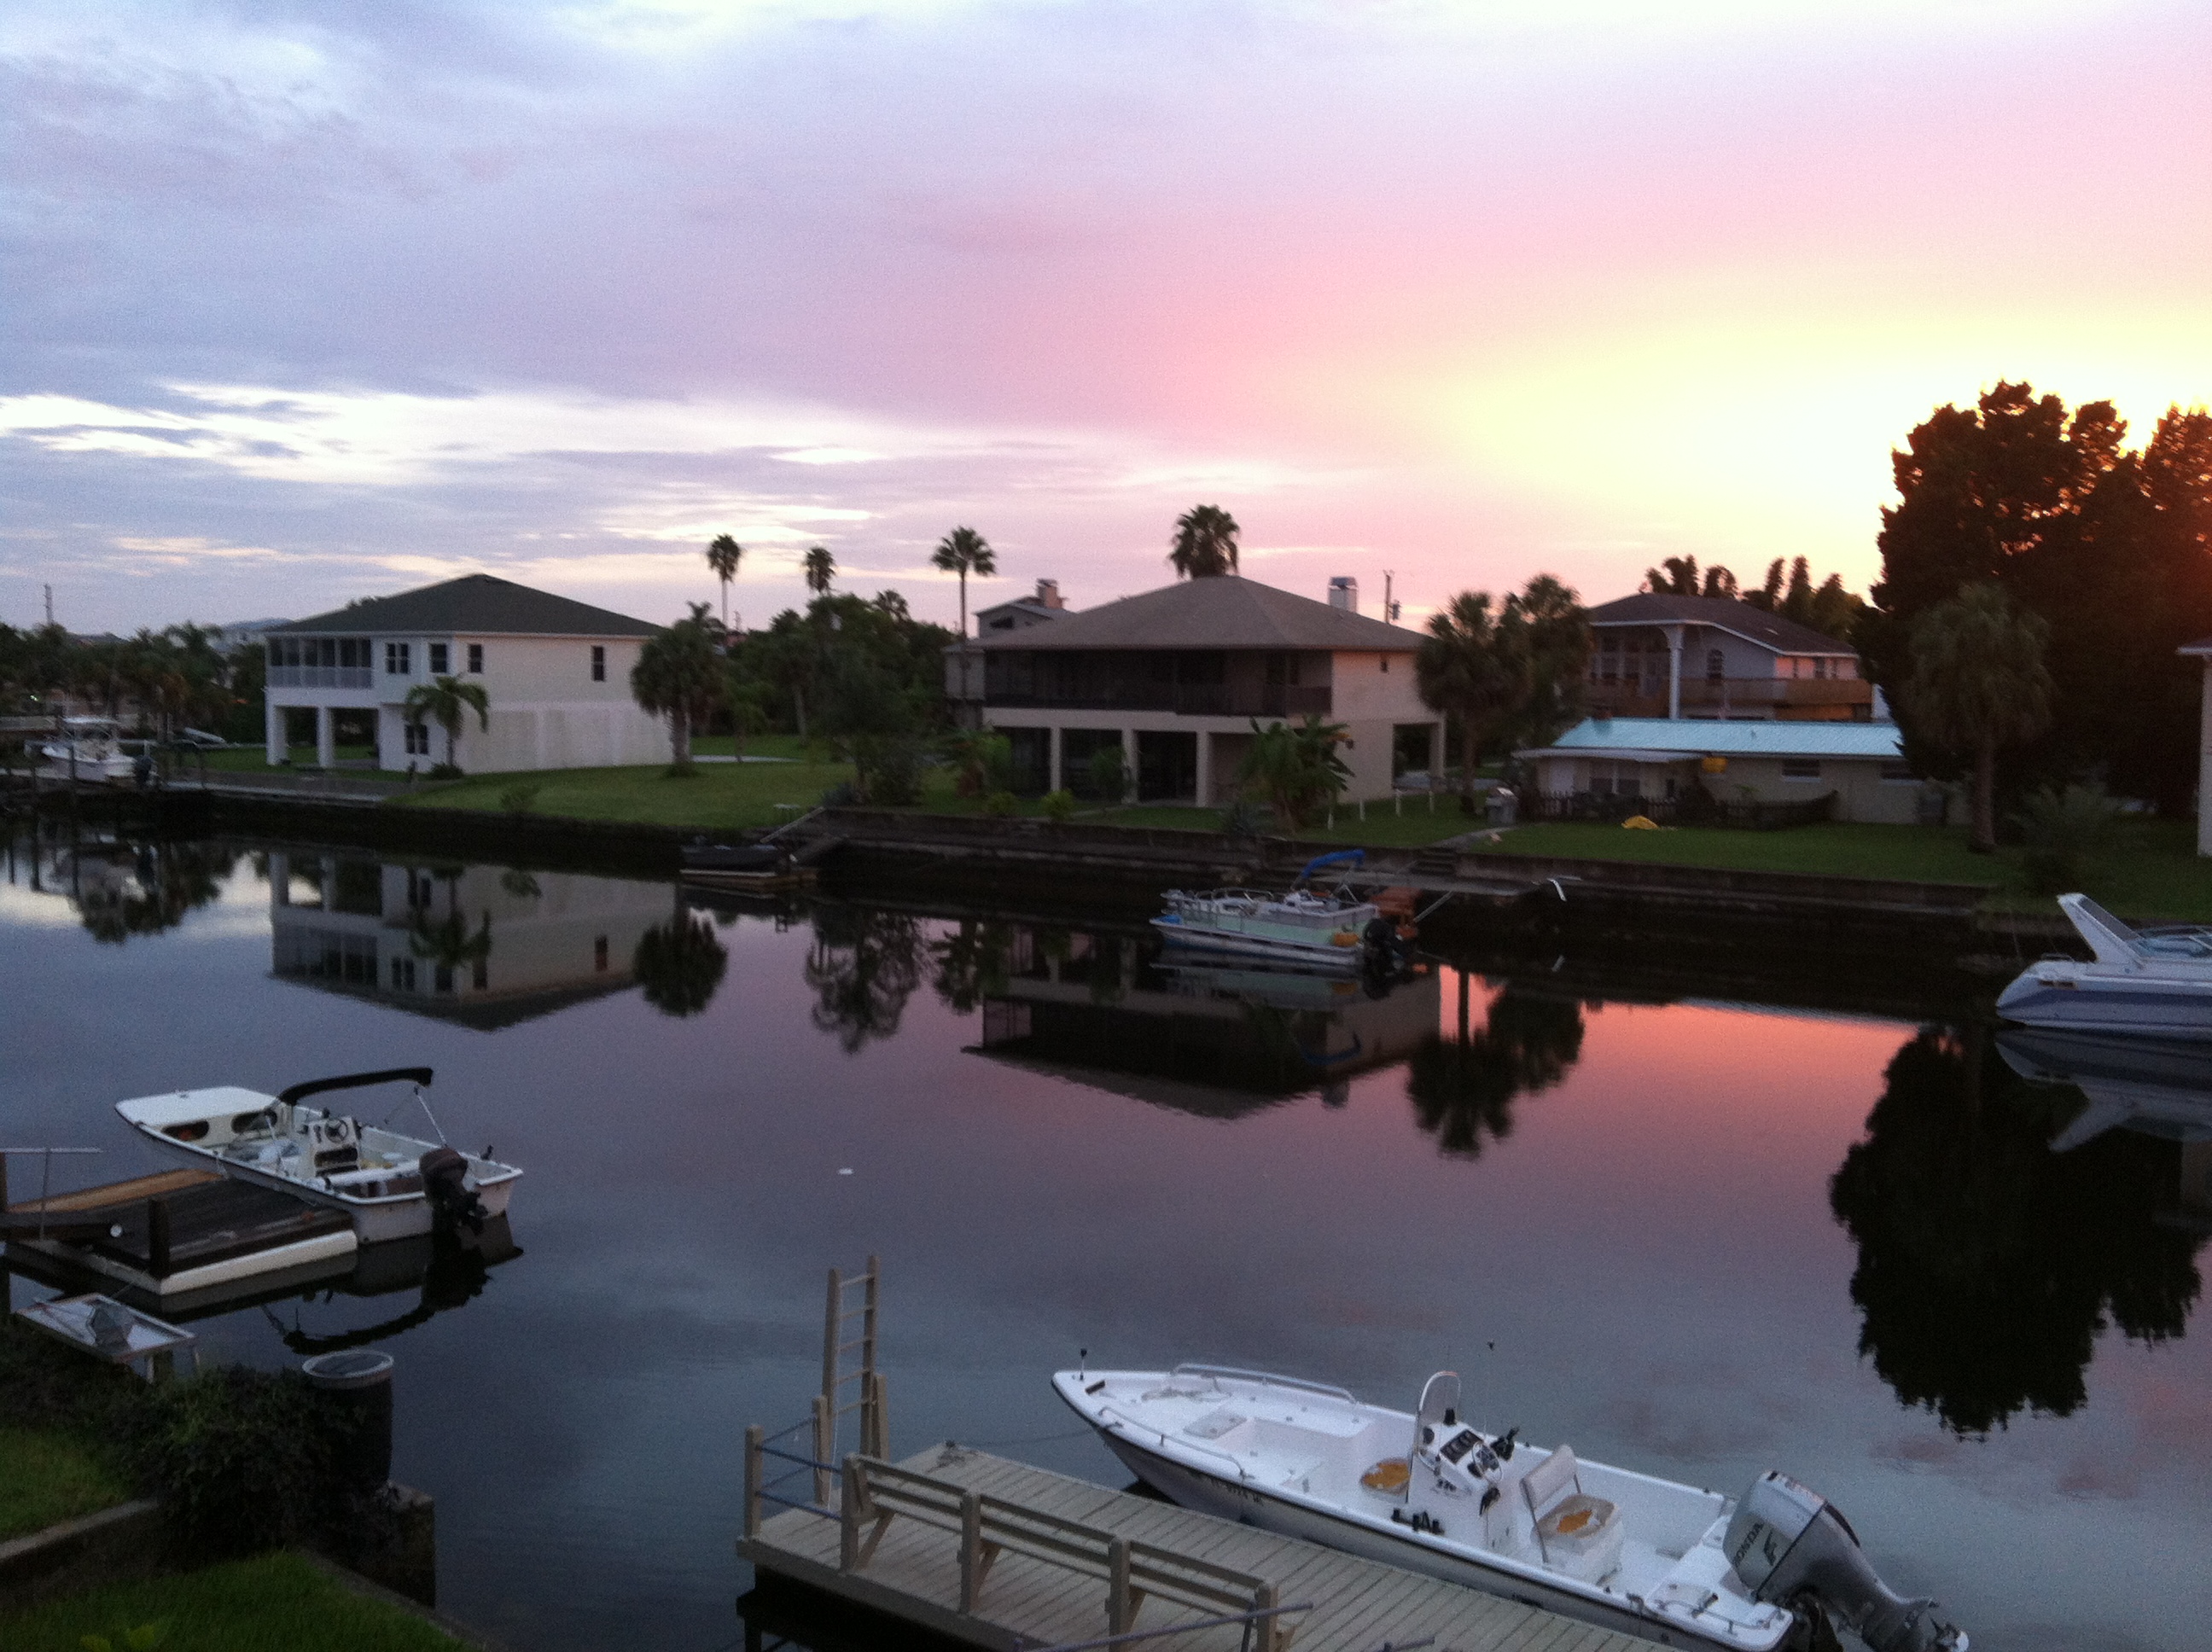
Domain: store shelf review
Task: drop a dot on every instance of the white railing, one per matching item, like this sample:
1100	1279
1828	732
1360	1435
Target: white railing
321	676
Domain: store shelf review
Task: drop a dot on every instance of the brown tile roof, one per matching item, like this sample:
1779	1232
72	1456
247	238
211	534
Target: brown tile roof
1785	636
1223	613
476	604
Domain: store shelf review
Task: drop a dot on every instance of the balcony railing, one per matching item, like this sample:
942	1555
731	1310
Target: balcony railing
1185	700
1781	693
321	676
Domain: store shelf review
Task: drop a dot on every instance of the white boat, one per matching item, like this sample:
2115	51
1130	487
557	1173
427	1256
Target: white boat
88	750
2156	982
1335	929
1650	1557
393	1186
2149	1086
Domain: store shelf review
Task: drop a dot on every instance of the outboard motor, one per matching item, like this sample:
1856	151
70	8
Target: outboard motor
1790	1545
446	1184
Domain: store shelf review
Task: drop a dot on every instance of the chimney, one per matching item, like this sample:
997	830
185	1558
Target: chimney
1047	594
1344	592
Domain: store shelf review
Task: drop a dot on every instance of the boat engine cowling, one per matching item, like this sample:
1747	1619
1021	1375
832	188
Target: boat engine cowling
453	1202
1788	1542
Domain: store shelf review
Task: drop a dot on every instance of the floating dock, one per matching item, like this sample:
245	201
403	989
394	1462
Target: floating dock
1004	1556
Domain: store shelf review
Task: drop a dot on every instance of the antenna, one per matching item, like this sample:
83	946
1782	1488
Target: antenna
1390	604
50	604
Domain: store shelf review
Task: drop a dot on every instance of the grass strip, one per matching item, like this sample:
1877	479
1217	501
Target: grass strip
47	1477
271	1603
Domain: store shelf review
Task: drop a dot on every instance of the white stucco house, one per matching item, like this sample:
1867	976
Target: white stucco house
1176	677
556	672
1755	761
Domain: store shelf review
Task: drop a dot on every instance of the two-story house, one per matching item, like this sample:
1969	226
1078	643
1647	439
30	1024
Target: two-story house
1712	657
555	673
1176	677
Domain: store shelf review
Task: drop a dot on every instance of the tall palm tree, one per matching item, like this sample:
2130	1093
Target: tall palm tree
723	556
446	701
963	551
679	676
1205	542
821	568
1475	666
1979	684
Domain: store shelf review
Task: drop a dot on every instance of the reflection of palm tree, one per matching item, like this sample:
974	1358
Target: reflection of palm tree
971	963
680	963
1988	1265
448	943
1463	1089
863	967
169	881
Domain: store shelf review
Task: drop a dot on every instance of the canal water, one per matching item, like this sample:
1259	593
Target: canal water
1702	1236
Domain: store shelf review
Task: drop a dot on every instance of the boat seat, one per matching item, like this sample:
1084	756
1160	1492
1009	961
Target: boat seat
1576	1533
1388	1478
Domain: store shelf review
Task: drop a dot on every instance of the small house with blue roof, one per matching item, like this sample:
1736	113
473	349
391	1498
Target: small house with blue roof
1662	760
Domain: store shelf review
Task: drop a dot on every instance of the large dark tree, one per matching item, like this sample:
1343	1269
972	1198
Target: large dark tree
1463	1089
2108	546
1988	1264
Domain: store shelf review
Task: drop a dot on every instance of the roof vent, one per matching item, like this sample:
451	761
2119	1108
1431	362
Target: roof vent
1344	592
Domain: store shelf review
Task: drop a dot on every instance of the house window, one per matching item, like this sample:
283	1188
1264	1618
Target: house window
402	974
480	975
1897	772
475	658
1715	666
1801	769
396	661
1386	663
418	739
599	664
440	660
442	980
599	953
1820	670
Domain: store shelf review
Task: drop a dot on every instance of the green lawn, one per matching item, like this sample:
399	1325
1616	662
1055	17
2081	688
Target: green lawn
46	1478
274	1603
254	759
717	797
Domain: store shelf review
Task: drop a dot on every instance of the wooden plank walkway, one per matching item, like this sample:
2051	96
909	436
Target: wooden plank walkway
1358	1605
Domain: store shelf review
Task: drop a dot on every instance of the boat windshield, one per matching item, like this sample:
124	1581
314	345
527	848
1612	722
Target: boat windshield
2181	941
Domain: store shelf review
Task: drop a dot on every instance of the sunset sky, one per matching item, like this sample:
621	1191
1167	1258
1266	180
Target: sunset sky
299	302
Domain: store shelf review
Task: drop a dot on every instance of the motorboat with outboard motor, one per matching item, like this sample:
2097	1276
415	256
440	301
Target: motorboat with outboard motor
1431	1492
1334	928
393	1186
2155	981
88	751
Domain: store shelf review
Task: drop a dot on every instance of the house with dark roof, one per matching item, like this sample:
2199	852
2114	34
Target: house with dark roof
1712	657
556	672
1176	677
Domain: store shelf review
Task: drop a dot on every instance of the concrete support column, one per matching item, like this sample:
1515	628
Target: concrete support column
326	737
1673	671
280	878
1204	768
1129	757
1053	760
273	728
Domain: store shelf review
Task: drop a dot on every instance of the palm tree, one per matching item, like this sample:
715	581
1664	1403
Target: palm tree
1476	668
680	963
679	676
821	568
723	555
963	551
1295	766
1979	684
446	701
1205	542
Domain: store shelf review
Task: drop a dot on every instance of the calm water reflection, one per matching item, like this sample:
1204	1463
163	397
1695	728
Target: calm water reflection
1947	1278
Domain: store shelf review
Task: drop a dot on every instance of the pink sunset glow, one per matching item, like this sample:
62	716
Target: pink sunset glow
303	306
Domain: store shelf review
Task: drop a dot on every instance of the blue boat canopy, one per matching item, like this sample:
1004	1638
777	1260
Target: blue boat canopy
1341	858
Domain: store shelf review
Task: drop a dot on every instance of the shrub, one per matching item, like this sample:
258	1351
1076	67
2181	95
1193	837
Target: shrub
1001	805
895	773
446	772
520	799
1058	806
840	796
1243	818
2059	828
1110	775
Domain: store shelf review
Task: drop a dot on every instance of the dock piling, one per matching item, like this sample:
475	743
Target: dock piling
755	1436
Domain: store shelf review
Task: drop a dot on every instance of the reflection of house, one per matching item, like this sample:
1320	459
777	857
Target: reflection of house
482	946
1175	677
1767	762
556	672
1712	657
1218	1042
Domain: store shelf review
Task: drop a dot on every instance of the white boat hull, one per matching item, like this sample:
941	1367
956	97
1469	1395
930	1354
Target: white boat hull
1414	1552
374	1221
1203	939
2075	999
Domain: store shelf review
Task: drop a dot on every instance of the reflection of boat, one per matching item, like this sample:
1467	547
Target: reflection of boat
2153	1088
2152	981
1334	929
390	1186
1647	1557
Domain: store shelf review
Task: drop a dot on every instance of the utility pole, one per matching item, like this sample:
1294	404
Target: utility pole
1389	607
50	604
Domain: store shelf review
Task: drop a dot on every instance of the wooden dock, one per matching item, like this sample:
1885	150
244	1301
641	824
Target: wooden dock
1043	1560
